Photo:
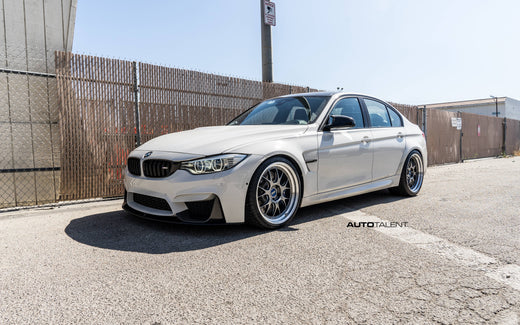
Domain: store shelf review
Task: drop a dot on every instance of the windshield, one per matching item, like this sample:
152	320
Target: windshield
285	110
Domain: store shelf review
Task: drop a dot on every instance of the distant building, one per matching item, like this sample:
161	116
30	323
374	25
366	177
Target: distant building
507	107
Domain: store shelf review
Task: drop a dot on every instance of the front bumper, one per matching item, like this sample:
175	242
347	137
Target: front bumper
186	198
202	216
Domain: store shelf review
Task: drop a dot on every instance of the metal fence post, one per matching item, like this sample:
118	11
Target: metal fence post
425	123
504	129
136	99
461	159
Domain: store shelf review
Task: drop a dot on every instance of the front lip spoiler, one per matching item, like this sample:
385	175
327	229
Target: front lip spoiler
172	219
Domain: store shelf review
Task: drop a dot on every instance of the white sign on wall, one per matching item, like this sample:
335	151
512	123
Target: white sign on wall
269	13
453	122
456	122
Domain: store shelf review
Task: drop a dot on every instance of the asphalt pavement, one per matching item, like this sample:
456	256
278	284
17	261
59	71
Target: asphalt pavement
456	261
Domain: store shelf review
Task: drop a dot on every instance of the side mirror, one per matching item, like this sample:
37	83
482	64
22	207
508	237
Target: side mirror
339	121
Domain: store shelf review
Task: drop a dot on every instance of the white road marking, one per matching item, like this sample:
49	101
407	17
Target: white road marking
508	274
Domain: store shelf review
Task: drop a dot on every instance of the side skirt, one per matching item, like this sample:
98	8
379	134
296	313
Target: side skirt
351	191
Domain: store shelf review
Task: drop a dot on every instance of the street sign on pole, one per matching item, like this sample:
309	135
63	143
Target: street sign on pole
269	13
267	19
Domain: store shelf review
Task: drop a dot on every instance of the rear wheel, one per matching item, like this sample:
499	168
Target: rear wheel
274	193
412	175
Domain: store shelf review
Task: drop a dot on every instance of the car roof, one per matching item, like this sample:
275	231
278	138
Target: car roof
326	93
335	94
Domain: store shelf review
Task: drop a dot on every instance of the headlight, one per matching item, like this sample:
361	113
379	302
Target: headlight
213	164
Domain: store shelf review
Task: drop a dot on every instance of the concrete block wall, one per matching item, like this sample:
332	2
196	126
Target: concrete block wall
30	33
513	108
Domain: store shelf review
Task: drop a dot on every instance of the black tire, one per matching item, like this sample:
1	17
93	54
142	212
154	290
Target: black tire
274	194
412	175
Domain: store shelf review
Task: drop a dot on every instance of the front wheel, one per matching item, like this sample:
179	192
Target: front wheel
274	194
412	175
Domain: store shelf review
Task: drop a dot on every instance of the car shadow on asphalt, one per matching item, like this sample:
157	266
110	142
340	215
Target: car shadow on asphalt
118	230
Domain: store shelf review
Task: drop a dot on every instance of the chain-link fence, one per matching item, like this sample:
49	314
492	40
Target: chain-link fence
67	136
108	106
29	131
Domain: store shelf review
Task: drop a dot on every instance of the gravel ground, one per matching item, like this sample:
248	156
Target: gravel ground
93	264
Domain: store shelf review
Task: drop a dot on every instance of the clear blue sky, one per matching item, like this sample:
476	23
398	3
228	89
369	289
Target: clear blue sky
407	51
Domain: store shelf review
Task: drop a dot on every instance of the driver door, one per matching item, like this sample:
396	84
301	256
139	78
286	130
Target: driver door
345	155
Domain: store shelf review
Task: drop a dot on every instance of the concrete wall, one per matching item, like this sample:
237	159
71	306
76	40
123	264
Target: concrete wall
486	109
512	108
30	32
508	107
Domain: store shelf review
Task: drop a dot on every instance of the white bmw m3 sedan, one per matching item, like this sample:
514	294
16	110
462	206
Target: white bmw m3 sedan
282	154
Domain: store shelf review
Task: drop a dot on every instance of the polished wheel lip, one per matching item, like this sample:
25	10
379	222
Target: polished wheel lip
414	173
277	193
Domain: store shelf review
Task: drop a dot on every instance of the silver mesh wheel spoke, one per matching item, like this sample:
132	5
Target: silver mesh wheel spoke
276	208
277	193
414	172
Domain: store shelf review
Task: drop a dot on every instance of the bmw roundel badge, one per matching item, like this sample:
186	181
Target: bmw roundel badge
148	154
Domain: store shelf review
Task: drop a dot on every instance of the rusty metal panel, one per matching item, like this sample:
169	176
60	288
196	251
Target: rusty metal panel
486	144
443	140
512	137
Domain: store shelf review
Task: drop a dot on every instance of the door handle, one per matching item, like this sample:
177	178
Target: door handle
400	135
366	139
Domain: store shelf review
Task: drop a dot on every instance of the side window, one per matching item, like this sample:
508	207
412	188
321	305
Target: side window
378	113
349	107
394	118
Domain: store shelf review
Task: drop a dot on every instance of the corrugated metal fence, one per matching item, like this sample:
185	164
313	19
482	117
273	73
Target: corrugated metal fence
479	136
99	98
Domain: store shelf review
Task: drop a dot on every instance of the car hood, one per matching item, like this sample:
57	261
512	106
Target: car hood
219	139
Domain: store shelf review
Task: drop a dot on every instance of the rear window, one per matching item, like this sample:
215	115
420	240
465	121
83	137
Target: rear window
394	117
378	114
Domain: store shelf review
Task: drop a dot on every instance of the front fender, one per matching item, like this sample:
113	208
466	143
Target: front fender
300	150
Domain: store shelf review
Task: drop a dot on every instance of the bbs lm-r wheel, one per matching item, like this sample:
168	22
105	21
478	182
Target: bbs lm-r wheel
412	175
274	194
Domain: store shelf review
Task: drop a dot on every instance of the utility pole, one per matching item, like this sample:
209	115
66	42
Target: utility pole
267	55
496	104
